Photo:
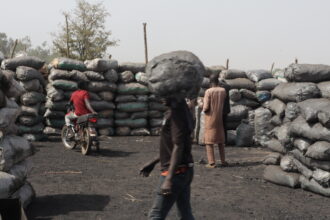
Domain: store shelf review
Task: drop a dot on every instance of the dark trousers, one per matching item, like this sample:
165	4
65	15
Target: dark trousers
10	209
180	194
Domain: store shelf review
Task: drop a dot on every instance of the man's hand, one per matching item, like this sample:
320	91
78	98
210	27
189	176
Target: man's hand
166	188
146	169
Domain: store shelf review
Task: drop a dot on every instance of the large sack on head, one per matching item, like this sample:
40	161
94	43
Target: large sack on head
276	175
296	92
268	84
310	108
292	111
15	149
142	78
132	89
24	73
257	75
309	162
140	132
307	72
102	105
210	70
313	186
263	96
126	77
102	86
132	123
94	76
133	67
111	76
238	112
56	74
29	61
65	85
233	74
132	106
320	150
241	83
32	98
31	85
68	64
176	74
101	65
35	129
123	131
244	135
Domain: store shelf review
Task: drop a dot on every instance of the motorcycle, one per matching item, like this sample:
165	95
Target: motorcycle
83	133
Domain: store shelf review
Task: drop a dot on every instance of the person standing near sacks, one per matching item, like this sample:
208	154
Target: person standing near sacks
213	107
226	107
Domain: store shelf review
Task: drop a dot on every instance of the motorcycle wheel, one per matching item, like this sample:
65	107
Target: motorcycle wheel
68	142
86	142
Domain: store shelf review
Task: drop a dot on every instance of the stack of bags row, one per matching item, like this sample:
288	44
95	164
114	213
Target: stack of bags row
25	70
63	80
14	150
295	124
132	101
247	91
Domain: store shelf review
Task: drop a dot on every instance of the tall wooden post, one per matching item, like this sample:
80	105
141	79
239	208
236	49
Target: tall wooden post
14	48
145	42
67	36
227	64
271	69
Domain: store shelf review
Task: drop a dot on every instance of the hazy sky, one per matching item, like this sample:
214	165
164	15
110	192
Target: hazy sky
251	33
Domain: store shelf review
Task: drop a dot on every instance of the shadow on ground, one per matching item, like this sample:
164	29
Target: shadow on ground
53	205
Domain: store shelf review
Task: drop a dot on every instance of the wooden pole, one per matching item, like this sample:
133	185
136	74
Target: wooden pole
145	42
271	69
14	48
67	36
227	64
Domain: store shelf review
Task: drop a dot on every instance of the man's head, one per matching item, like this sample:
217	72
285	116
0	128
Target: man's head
214	80
83	85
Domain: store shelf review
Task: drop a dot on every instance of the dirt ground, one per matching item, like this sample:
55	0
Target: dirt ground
107	185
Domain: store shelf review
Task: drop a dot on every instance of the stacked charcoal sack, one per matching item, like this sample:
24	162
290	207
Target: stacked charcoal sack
30	121
244	99
63	80
299	129
14	150
132	100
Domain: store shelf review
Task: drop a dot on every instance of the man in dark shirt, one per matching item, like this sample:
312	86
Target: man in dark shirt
176	162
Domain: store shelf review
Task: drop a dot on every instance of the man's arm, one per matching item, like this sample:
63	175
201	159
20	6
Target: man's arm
89	106
206	102
148	167
176	158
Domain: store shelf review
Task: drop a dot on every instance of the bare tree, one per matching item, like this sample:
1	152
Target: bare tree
84	35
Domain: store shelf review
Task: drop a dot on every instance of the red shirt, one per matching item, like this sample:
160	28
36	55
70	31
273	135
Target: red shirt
78	98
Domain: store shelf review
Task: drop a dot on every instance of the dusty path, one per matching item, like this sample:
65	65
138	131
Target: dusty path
107	186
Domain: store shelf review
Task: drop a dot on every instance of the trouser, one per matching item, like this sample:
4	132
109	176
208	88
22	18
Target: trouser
10	209
210	153
180	195
69	118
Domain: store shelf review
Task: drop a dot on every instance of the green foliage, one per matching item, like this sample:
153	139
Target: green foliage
86	36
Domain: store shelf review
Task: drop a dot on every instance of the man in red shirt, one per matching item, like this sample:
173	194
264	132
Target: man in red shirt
80	101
